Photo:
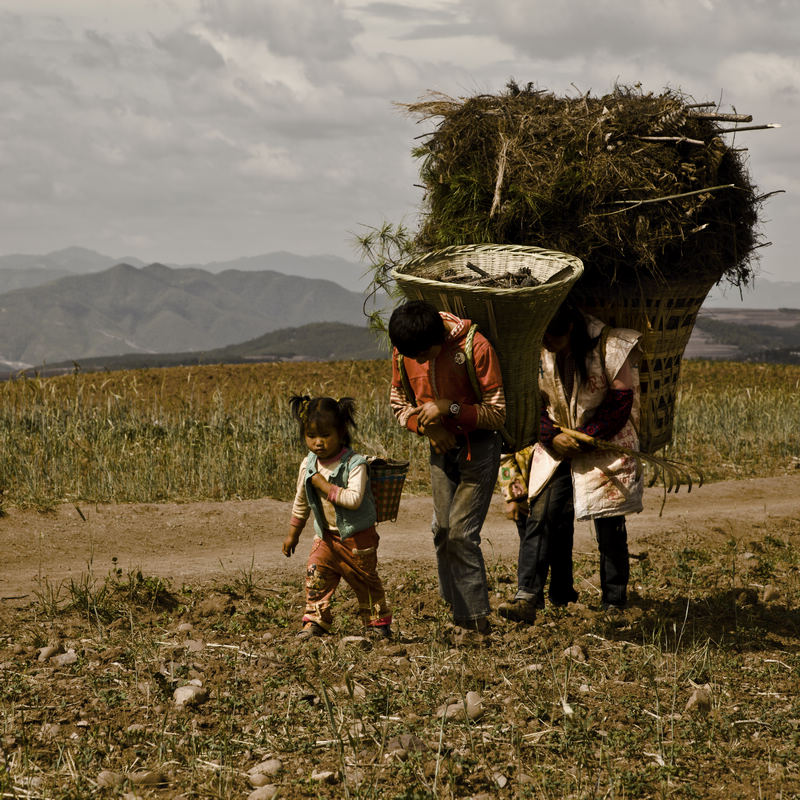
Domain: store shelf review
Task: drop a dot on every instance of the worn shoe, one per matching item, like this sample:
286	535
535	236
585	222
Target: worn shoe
312	630
518	610
381	632
473	634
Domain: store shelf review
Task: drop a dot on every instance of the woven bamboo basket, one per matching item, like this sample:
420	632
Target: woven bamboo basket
664	314
386	478
513	320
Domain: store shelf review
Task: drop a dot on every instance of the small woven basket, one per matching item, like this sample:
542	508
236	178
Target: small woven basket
386	479
664	314
513	320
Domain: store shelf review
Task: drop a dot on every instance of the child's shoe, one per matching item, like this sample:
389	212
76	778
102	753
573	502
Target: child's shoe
312	630
474	634
381	632
518	610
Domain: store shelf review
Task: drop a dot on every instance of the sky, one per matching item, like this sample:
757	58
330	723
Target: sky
191	131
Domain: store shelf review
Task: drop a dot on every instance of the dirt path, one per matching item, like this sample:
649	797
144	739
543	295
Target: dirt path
200	541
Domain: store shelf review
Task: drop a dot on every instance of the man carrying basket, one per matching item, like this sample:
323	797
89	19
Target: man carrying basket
433	395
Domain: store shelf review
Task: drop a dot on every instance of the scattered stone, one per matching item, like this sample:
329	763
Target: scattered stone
194	645
699	701
263	793
355	642
110	780
18	649
47	652
270	766
257	780
50	730
576	653
64	659
148	777
771	593
189	695
584	688
534	668
136	727
324	776
401	746
214	605
358	691
500	780
471	707
185	627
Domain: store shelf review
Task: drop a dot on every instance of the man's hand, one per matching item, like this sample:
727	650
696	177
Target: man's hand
290	542
432	411
441	439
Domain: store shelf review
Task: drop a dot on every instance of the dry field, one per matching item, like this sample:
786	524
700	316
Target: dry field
112	603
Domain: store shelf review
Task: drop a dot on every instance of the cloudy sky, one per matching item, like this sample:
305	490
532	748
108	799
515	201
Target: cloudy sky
199	130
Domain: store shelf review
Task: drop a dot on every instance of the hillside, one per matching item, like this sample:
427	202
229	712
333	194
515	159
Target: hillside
319	341
157	309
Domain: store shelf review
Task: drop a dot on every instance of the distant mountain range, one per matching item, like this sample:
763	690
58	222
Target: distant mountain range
79	305
25	271
156	309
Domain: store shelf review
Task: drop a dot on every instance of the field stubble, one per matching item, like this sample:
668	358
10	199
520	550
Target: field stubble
224	432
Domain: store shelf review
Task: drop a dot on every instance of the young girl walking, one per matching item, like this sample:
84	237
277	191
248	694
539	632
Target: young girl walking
333	486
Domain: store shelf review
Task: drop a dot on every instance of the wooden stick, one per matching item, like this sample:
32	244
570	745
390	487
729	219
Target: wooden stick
475	268
700	105
716	115
669	139
673	196
750	128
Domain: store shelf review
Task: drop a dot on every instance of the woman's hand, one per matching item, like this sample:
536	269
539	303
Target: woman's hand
516	509
567	446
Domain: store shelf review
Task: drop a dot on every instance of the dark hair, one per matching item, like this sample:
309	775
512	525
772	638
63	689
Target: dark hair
310	411
580	343
415	327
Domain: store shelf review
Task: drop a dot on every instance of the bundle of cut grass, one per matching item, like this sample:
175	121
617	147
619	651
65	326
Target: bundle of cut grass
641	187
636	185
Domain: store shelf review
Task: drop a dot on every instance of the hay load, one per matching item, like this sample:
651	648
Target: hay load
642	188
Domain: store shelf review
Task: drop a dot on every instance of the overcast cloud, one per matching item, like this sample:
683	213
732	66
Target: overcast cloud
200	130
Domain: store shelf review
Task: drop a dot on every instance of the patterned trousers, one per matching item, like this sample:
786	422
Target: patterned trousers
356	560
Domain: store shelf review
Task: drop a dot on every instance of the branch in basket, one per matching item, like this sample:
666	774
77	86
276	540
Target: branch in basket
750	128
675	472
669	139
718	116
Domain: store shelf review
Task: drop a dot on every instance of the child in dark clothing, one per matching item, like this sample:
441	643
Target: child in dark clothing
464	440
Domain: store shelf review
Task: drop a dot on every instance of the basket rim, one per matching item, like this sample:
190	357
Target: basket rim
568	261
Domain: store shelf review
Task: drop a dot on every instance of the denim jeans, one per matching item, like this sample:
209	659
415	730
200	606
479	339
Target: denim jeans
462	482
545	545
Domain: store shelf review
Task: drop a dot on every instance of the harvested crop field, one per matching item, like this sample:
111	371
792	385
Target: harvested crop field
692	693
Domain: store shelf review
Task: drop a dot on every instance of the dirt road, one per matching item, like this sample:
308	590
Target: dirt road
200	541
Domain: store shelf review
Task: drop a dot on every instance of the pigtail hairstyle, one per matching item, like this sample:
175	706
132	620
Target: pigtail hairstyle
310	411
298	405
347	417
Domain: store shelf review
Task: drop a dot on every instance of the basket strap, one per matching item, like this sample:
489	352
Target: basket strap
473	377
405	381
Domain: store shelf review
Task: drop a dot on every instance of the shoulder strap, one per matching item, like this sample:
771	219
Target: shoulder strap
473	378
412	398
603	341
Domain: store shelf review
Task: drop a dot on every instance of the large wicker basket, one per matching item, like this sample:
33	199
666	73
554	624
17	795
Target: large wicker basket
514	320
665	315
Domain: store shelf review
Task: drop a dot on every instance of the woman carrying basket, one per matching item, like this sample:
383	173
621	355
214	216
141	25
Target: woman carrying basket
589	381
